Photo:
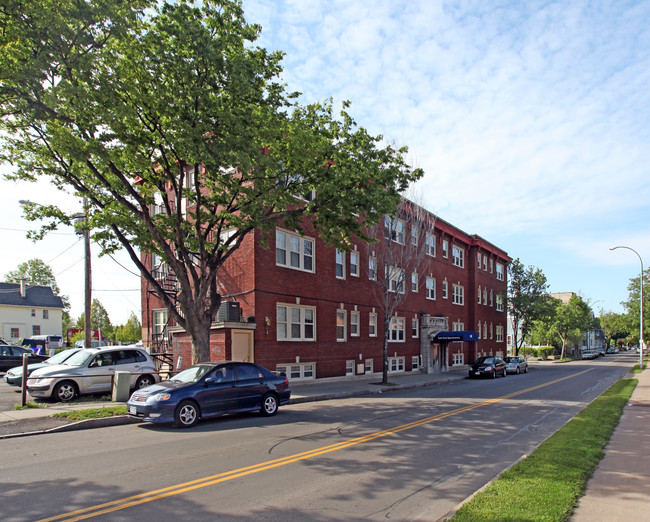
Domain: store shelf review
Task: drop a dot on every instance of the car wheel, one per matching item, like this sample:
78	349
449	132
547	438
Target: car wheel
494	374
186	414
65	391
526	369
505	372
144	380
517	372
269	405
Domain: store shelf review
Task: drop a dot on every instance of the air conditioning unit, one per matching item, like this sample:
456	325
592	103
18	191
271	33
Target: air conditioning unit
229	312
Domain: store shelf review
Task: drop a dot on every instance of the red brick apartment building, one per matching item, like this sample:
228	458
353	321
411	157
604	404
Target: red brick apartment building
305	308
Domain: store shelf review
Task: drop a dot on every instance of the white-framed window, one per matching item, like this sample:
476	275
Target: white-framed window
395	364
485	301
415	232
485	263
354	264
458	326
458	294
491	266
445	289
36	329
297	371
457	256
445	248
372	268
159	322
340	264
430	245
394	229
341	325
369	365
395	276
46	314
415	328
372	325
431	288
500	272
491	331
397	329
478	330
499	303
294	251
499	334
457	359
355	317
295	323
491	298
479	294
349	367
414	282
478	260
485	330
415	363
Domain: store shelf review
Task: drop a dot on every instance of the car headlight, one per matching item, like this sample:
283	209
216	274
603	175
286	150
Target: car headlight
158	397
44	380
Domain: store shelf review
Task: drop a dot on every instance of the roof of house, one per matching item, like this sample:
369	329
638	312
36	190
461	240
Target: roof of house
41	296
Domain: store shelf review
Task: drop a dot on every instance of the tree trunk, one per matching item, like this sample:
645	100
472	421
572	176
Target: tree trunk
384	378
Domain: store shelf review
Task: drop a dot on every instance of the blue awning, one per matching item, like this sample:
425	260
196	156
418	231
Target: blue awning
462	335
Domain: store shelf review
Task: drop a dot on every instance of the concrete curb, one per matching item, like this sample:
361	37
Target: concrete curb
103	422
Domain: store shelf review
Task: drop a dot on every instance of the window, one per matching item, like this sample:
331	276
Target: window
499	271
15	333
491	331
431	288
485	263
478	261
445	249
430	245
297	371
372	325
499	334
458	327
478	330
36	329
159	320
414	282
295	323
415	363
395	364
458	294
293	251
340	264
354	324
415	232
372	268
46	314
397	328
485	330
458	359
445	289
458	256
415	328
354	264
499	303
394	230
349	367
33	312
479	294
341	325
369	365
491	266
485	301
395	278
491	298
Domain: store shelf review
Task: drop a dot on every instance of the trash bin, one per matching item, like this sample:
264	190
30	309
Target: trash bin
121	386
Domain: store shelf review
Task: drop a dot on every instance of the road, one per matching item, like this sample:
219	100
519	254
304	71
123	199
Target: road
408	455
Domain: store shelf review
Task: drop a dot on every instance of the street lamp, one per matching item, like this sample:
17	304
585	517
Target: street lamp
88	333
641	301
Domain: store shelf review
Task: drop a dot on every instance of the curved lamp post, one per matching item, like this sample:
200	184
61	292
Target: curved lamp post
641	301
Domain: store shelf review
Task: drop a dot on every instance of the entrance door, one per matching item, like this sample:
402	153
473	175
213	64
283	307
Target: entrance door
242	345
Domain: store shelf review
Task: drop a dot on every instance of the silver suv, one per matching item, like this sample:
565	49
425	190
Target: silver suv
91	370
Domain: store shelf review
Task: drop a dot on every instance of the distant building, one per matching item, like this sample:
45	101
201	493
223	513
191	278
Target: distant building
27	310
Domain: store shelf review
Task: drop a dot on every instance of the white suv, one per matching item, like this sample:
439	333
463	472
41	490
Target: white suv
91	370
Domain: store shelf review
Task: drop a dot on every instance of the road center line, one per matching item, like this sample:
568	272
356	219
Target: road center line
177	489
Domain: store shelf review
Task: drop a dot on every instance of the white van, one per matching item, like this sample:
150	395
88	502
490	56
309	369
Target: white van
52	342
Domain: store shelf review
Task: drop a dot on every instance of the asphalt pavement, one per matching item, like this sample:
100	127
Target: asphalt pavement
617	491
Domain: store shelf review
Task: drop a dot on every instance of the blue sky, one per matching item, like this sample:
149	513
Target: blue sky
530	119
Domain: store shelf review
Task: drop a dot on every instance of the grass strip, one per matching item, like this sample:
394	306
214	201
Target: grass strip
92	413
545	486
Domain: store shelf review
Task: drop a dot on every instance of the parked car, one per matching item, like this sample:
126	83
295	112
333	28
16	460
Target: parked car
209	389
14	376
11	356
611	349
81	343
589	354
516	364
52	342
488	367
91	370
35	345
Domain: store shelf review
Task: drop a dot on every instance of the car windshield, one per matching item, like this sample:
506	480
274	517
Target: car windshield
192	374
510	359
80	358
60	357
487	360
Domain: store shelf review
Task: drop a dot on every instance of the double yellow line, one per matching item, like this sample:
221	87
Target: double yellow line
177	489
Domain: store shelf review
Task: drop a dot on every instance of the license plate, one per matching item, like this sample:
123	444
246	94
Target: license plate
133	410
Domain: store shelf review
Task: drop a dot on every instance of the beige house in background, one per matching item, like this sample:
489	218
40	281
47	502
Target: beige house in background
27	310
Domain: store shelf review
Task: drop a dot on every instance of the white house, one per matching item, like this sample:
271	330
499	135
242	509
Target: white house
27	310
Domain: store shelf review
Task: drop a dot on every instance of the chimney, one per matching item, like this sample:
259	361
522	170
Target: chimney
23	288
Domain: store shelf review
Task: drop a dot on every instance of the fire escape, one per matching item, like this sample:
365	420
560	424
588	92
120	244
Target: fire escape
160	333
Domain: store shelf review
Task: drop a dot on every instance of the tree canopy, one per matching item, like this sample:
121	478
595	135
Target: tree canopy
174	127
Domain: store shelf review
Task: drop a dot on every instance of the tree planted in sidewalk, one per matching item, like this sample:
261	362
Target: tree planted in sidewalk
176	130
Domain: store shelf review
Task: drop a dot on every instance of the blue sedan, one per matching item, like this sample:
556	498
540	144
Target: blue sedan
210	389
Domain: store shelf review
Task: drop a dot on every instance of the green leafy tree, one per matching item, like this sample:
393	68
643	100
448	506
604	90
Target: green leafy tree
572	320
130	332
615	326
527	287
633	303
99	319
174	127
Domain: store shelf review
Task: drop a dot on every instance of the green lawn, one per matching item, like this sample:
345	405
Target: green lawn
547	484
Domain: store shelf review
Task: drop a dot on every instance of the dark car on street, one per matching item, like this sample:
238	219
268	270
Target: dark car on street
488	367
11	356
516	364
210	389
14	376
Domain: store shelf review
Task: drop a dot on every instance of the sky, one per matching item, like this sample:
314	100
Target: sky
531	121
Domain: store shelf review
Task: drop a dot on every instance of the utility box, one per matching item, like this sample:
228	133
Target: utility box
121	386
